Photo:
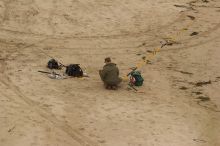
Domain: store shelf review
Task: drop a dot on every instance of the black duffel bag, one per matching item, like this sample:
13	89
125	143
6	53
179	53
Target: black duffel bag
74	70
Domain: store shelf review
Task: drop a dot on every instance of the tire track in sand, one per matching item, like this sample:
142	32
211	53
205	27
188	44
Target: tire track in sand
45	114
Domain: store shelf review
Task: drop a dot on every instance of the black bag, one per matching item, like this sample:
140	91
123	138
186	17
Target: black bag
52	64
74	70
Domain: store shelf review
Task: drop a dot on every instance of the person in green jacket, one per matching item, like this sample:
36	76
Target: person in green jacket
110	75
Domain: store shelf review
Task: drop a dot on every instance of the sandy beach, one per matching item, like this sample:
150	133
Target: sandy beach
178	105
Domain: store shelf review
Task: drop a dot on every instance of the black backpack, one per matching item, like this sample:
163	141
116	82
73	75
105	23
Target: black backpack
74	70
52	64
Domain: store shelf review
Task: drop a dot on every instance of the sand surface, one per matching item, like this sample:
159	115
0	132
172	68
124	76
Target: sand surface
170	109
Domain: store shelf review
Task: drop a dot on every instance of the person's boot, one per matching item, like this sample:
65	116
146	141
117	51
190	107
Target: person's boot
108	87
114	87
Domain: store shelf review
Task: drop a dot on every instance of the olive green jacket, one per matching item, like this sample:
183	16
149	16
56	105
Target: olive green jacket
110	74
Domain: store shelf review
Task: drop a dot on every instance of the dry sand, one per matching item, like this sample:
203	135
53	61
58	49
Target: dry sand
38	111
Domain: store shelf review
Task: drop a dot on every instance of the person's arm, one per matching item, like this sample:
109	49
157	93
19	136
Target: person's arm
103	73
117	71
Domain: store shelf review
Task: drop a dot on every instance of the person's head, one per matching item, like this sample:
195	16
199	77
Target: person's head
108	60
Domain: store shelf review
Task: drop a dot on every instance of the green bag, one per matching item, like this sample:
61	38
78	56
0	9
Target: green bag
136	78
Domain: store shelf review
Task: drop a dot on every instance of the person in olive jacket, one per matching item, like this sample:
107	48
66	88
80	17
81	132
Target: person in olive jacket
110	74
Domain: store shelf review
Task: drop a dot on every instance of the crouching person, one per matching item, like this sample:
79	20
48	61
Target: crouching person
110	75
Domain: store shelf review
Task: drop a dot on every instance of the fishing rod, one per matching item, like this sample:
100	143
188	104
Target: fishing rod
46	72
